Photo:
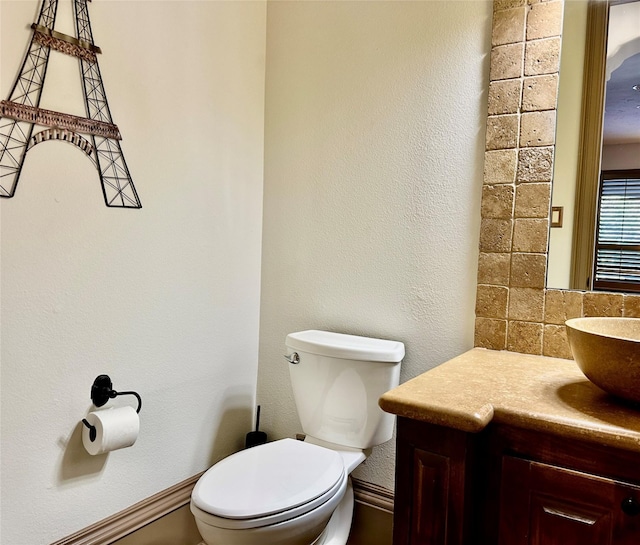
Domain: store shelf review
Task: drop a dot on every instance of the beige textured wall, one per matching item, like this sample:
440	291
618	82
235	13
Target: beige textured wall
163	299
375	118
514	310
176	528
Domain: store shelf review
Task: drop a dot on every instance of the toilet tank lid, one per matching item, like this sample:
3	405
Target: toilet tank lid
340	345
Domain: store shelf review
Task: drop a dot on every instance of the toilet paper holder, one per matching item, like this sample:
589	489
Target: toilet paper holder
101	392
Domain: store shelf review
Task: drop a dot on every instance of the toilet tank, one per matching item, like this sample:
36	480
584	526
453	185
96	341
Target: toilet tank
337	382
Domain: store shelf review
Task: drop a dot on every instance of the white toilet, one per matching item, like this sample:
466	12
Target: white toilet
291	492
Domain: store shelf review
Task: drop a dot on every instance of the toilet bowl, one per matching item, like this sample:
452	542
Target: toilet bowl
284	492
291	492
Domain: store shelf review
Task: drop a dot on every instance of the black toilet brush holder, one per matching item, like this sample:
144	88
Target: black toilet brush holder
256	437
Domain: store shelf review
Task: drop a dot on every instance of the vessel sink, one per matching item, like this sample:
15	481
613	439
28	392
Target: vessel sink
607	350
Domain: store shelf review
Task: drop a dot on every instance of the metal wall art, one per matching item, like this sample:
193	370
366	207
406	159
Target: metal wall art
96	135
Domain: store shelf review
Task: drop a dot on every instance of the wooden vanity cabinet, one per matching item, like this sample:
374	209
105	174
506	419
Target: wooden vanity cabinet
508	486
550	505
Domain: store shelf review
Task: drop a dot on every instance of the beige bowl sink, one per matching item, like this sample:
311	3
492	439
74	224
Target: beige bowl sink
607	350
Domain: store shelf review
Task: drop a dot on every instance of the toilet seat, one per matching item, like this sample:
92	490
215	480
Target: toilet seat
328	504
268	484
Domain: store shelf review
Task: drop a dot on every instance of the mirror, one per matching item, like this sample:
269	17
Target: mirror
516	310
598	136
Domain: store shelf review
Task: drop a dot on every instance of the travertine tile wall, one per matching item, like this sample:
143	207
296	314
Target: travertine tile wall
514	311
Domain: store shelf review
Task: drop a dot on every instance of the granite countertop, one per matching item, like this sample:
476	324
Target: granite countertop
531	392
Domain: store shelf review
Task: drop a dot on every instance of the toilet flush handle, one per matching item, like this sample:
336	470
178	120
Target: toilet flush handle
293	358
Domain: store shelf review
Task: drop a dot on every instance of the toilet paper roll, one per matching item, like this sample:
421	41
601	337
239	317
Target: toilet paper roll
116	428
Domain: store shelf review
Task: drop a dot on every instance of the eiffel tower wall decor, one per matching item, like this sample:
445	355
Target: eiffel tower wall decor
24	124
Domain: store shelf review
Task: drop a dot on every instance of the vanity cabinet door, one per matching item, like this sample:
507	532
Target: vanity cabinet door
429	499
546	505
431	475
